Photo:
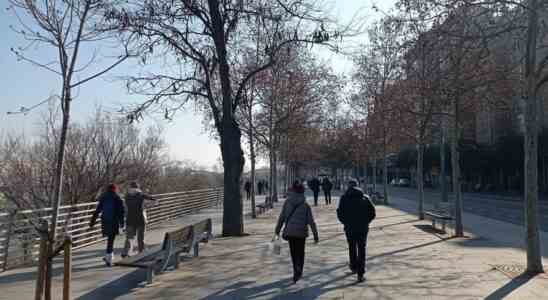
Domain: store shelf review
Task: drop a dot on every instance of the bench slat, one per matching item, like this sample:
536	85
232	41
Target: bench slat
438	216
136	260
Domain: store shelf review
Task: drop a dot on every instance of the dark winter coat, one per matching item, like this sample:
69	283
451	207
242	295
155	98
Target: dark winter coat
355	211
111	208
135	204
296	224
327	185
314	184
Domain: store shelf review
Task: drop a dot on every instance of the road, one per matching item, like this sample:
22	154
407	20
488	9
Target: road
504	209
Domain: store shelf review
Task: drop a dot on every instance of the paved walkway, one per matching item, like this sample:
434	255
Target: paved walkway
406	260
90	278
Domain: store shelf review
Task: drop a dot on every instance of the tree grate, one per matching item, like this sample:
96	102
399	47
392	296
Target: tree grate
515	271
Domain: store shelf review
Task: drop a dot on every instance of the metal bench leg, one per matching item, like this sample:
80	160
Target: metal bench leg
177	260
196	249
150	274
443	225
434	223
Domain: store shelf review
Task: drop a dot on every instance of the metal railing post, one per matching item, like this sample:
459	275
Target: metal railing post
9	232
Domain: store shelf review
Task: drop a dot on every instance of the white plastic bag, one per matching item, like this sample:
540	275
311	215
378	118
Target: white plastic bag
276	245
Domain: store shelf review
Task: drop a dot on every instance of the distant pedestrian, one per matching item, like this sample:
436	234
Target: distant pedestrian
247	188
314	185
136	219
111	208
297	216
355	212
327	186
260	186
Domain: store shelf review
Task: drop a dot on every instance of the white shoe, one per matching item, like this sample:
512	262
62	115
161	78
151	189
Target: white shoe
108	259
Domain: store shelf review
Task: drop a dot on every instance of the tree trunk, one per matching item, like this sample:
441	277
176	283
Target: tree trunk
231	149
274	177
385	176
271	170
420	181
443	166
252	159
459	231
534	258
233	160
374	174
58	192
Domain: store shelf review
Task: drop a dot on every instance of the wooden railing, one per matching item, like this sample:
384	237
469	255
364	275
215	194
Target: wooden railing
20	240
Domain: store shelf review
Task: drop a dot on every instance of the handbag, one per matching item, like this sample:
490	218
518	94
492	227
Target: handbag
288	218
276	245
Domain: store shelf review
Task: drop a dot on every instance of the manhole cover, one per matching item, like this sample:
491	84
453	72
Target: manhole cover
514	271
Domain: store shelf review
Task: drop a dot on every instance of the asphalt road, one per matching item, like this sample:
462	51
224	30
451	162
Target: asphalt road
504	209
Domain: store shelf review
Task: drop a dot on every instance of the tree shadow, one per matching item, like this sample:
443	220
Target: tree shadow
511	286
116	288
393	224
278	289
407	249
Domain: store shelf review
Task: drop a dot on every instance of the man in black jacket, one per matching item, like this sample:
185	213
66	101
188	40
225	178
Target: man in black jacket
327	185
314	185
355	212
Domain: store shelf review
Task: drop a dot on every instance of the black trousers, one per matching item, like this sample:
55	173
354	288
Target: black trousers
316	197
110	243
357	242
296	248
327	194
248	194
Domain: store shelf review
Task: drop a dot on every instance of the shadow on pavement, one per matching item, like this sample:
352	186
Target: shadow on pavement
393	224
406	249
116	288
277	289
511	286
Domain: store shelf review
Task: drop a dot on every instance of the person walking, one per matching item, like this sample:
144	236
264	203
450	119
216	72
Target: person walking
247	188
355	212
327	185
314	185
136	217
111	208
260	187
297	216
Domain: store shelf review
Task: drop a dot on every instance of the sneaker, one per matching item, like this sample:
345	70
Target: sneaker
107	262
296	277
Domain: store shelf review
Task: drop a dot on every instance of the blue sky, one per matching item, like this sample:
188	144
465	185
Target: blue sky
22	84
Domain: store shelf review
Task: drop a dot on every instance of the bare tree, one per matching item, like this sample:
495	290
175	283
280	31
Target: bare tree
379	66
203	40
66	27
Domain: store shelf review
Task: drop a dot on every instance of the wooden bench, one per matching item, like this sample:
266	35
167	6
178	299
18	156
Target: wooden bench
264	206
157	259
443	218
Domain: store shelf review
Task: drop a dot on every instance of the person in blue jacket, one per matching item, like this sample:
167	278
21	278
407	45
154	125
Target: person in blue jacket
111	208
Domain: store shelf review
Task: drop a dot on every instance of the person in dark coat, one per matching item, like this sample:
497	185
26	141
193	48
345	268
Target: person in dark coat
247	188
260	187
355	212
136	219
111	208
297	217
327	186
314	185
